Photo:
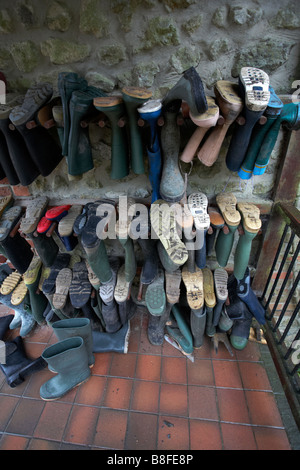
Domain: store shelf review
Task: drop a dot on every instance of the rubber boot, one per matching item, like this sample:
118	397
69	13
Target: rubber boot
156	326
69	359
134	97
18	251
251	224
67	83
126	310
38	300
130	260
221	290
76	327
246	294
150	259
7	168
198	323
254	88
4	324
150	112
209	300
113	107
98	260
17	365
224	245
240	331
290	116
112	342
190	89
58	117
111	316
172	185
216	224
80	157
272	112
180	331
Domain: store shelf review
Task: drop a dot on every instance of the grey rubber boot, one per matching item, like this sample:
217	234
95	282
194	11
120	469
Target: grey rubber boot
198	322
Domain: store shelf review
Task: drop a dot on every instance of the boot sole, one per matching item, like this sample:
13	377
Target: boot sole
256	85
66	224
5	203
122	286
198	203
216	219
220	280
94	280
173	281
19	293
106	291
160	213
227	205
250	216
155	298
194	287
8	220
210	117
10	283
31	275
34	212
57	398
208	287
62	283
228	97
34	99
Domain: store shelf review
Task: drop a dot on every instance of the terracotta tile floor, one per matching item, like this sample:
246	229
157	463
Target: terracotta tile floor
153	398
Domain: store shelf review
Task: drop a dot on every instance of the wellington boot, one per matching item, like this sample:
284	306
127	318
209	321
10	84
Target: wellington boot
150	260
111	316
227	205
23	318
128	246
198	323
38	300
194	288
45	246
69	359
155	295
216	224
76	327
221	290
112	342
106	291
17	365
7	168
247	295
4	324
156	326
155	169
179	330
114	108
134	97
18	251
99	262
172	184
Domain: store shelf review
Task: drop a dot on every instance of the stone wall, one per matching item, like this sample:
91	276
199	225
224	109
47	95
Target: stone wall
148	43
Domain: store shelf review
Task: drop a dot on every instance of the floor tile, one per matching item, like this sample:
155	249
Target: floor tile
227	374
173	399
7	407
263	408
80	428
25	417
254	376
148	367
145	396
8	442
233	406
174	370
205	435
202	402
102	363
271	438
41	444
173	433
91	392
52	422
141	431
111	429
123	365
118	392
237	437
200	372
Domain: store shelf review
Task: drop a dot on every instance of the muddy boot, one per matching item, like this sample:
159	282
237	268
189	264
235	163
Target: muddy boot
194	288
134	97
209	300
111	316
80	288
67	83
221	291
156	326
251	224
106	290
216	224
172	185
4	325
155	295
113	107
203	122
150	259
247	295
128	246
38	301
227	205
198	323
179	330
112	342
197	203
190	89
173	281
69	358
271	113
230	104
150	112
254	88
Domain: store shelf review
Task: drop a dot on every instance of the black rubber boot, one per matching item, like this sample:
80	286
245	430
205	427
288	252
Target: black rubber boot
156	326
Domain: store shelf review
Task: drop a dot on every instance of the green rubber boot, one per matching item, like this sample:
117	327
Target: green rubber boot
130	260
227	205
198	323
69	358
134	97
98	260
38	300
180	331
113	107
224	245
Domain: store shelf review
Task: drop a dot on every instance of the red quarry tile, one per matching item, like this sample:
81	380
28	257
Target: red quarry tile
233	406
200	372
205	351
25	417
40	334
118	393
81	426
148	367
250	353
41	444
173	399
173	433
271	438
227	374
7	407
111	429
254	376
202	402
8	442
169	350
34	350
135	333
141	431
145	347
174	370
16	391
205	435
263	408
237	437
123	365
91	392
145	396
53	420
102	363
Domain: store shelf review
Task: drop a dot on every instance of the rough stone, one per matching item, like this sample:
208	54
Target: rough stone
268	54
25	11
5	58
161	31
171	5
219	17
191	25
100	81
111	54
218	47
92	19
286	19
25	55
184	58
144	73
64	52
6	23
58	17
241	15
125	10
